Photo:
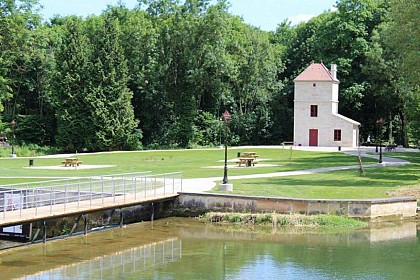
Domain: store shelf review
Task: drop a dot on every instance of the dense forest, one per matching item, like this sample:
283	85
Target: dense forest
162	74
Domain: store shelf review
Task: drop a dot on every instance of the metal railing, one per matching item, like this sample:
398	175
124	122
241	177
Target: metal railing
84	193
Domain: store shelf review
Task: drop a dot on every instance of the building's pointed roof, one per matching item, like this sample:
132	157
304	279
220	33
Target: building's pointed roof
316	72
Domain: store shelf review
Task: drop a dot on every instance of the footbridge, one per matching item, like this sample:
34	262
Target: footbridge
36	203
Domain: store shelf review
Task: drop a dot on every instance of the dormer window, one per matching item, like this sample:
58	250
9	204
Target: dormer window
314	85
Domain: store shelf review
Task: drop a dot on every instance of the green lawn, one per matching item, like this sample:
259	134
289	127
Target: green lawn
375	183
194	164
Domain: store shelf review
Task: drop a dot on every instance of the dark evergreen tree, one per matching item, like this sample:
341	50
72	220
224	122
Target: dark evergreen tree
110	110
74	122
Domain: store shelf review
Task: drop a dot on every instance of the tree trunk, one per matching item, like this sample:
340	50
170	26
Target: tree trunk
404	136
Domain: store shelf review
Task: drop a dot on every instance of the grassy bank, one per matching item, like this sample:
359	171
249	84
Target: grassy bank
375	183
283	220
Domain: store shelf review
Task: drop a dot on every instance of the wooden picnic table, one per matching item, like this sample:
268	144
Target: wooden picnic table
71	162
247	161
249	155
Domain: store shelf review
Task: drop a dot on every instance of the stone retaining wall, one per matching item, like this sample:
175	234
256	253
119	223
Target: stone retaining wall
372	209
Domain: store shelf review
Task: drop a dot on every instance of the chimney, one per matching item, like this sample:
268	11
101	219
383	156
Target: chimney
334	71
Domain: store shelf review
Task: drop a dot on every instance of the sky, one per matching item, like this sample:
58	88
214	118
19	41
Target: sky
266	14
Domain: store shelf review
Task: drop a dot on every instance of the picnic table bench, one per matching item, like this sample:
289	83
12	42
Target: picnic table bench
247	161
247	158
71	162
249	155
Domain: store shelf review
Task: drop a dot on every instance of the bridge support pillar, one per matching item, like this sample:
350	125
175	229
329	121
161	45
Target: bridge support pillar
85	218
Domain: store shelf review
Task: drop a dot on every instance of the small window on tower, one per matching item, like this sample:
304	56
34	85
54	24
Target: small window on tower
314	85
337	134
314	110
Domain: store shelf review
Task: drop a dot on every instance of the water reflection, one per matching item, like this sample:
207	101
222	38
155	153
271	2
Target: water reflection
186	249
122	263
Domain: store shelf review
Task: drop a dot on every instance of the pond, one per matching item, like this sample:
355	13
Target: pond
182	248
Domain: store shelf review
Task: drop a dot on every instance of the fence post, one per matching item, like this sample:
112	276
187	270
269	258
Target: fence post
145	186
53	195
78	194
36	203
124	189
155	186
113	188
65	196
51	199
102	192
90	191
135	188
4	209
164	184
21	204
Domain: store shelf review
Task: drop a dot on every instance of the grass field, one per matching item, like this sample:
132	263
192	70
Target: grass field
375	183
195	164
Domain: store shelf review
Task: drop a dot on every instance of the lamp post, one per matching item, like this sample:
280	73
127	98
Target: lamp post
13	124
220	132
379	123
226	119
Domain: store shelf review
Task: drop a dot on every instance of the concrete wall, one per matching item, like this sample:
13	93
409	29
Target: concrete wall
376	209
95	220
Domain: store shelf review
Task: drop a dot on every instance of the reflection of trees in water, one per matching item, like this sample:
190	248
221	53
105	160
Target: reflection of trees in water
212	252
123	263
334	254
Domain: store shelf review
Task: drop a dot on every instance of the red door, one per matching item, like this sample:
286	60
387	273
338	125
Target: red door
313	137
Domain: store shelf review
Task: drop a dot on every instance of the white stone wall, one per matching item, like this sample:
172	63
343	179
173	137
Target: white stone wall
325	96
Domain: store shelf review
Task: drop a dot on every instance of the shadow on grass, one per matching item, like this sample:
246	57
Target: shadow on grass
377	177
317	161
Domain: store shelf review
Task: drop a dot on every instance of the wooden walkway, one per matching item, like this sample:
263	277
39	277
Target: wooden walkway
22	216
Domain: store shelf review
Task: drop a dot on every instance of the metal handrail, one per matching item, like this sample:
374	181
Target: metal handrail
93	190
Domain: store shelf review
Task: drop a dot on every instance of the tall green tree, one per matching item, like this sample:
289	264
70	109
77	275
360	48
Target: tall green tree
72	87
110	109
18	51
139	40
403	36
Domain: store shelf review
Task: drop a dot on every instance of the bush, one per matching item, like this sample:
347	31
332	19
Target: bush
234	218
28	150
264	218
35	129
284	220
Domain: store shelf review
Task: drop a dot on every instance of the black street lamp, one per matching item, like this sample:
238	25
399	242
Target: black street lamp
226	119
13	124
380	123
220	132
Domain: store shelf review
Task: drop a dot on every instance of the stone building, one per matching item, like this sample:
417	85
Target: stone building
316	118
